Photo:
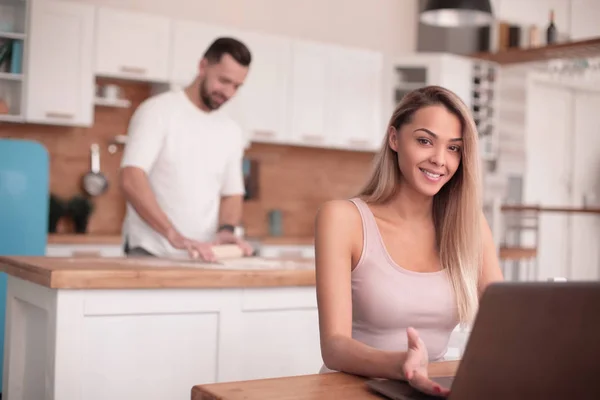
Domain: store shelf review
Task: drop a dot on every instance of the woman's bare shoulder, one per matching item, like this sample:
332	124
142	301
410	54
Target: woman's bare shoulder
341	213
338	234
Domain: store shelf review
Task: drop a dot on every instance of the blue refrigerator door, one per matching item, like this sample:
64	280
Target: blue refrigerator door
24	197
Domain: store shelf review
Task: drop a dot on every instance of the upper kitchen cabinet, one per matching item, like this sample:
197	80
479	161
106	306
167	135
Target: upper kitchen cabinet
309	95
261	106
132	45
474	81
355	110
13	45
189	42
60	80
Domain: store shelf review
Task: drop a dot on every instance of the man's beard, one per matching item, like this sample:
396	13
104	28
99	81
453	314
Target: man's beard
206	98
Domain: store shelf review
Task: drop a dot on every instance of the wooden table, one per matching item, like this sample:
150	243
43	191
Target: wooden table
88	328
306	387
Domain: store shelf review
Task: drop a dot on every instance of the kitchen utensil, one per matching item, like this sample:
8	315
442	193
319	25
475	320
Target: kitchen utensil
227	251
57	209
111	92
94	182
275	222
79	209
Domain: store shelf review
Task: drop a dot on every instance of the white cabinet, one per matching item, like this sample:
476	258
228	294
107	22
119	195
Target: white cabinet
84	250
309	95
261	106
60	87
280	350
354	117
117	343
132	45
335	96
475	82
190	40
450	71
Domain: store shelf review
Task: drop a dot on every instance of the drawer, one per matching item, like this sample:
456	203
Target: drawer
84	250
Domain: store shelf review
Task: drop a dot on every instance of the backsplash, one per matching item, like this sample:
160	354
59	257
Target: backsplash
294	180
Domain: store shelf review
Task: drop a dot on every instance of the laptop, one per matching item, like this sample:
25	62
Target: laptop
530	340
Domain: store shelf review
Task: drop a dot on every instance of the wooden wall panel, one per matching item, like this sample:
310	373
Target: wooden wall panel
295	180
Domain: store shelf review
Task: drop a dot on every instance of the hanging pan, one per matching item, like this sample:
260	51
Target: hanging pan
94	182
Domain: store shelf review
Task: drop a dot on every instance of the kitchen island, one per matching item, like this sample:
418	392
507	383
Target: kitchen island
145	328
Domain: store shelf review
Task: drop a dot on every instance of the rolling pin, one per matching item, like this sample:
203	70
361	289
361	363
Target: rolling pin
227	251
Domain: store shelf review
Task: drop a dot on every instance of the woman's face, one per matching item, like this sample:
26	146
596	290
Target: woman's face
429	148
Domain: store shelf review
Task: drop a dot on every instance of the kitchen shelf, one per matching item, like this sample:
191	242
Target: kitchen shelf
119	139
10	76
12	35
119	103
11	118
578	49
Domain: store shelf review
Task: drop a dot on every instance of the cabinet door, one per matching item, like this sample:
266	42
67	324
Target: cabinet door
291	344
309	102
60	86
190	41
132	45
262	101
585	228
355	112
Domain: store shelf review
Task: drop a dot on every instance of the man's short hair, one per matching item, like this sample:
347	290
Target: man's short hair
231	46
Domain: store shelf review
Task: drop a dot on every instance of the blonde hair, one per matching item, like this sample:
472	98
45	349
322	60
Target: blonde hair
456	207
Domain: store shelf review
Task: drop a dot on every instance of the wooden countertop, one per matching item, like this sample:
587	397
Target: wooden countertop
83	238
149	272
285	240
555	209
93	239
306	387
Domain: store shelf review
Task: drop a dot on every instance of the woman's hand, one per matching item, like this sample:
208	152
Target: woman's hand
414	368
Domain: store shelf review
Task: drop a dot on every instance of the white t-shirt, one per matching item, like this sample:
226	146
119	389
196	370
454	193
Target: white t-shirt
192	158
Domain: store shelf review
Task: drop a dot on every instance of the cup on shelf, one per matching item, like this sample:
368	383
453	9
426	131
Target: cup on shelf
111	92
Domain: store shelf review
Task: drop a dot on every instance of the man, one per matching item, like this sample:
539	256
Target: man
181	172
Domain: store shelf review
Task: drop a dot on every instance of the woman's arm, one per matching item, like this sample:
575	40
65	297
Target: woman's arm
490	272
338	233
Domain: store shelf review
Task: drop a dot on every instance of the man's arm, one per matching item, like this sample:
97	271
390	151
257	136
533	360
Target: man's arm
230	211
233	190
145	138
138	192
232	201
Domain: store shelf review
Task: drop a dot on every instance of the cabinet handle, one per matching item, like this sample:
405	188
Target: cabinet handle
133	70
264	134
59	115
313	138
358	142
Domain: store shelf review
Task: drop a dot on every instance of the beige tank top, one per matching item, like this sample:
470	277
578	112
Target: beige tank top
387	299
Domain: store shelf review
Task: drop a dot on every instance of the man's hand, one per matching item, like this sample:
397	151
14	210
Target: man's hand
226	237
195	249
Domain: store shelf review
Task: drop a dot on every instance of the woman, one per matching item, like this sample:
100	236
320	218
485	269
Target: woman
401	264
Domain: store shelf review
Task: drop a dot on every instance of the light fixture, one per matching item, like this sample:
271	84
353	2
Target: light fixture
457	13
